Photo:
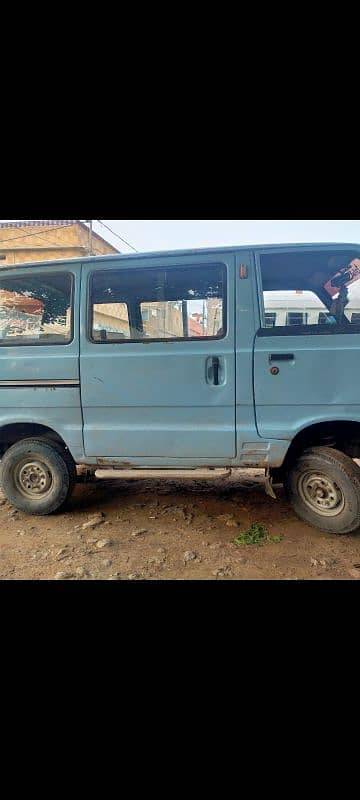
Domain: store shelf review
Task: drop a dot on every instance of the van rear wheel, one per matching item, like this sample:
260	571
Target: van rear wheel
323	487
37	476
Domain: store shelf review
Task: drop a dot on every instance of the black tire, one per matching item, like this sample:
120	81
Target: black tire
323	487
37	476
66	455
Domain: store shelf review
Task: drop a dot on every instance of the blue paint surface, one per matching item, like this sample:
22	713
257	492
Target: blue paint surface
156	403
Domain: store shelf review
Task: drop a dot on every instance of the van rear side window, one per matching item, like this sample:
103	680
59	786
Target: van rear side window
36	309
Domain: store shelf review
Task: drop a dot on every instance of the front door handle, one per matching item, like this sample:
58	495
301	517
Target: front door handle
281	357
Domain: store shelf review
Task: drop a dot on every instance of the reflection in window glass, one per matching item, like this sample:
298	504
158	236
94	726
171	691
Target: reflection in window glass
35	309
183	319
183	303
352	307
303	289
270	320
293	309
110	318
296	318
162	320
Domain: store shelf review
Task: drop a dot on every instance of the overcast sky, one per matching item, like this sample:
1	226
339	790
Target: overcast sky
173	234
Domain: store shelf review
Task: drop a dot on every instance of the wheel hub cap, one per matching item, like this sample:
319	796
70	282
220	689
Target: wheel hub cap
321	494
33	479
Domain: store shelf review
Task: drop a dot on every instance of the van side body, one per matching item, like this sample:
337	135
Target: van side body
221	358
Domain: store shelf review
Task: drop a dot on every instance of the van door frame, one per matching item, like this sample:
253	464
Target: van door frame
227	257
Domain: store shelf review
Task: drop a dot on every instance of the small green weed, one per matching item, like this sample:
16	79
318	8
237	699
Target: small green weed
256	535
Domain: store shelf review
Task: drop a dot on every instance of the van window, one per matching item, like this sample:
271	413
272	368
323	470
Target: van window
158	304
36	309
315	292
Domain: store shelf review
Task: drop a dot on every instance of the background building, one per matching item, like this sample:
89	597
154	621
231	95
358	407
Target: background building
46	240
305	308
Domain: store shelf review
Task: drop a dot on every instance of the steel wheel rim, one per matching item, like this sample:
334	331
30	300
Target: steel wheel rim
321	494
33	479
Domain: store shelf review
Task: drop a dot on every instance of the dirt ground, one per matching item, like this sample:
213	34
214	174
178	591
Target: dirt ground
167	530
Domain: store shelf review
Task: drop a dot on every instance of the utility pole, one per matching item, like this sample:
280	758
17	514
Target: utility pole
90	236
185	317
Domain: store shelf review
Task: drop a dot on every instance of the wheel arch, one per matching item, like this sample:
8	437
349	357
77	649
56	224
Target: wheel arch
340	434
16	431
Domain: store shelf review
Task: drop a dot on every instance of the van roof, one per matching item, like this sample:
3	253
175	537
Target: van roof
193	251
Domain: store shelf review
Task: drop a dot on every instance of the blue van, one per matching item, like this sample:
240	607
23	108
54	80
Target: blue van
190	363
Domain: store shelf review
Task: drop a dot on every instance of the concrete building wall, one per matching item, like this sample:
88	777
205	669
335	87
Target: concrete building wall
47	240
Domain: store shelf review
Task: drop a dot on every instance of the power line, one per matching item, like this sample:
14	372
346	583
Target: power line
93	251
119	237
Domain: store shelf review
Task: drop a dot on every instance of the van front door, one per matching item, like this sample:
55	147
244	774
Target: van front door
158	360
307	351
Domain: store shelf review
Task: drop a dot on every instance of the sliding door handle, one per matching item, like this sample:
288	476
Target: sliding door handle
216	369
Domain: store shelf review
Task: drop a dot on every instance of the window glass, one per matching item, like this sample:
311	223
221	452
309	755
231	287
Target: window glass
110	319
36	309
292	309
297	318
311	290
183	303
270	320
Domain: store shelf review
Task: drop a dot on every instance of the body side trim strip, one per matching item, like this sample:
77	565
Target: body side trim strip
40	383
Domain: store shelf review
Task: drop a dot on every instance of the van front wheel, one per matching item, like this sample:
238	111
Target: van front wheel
37	477
323	487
